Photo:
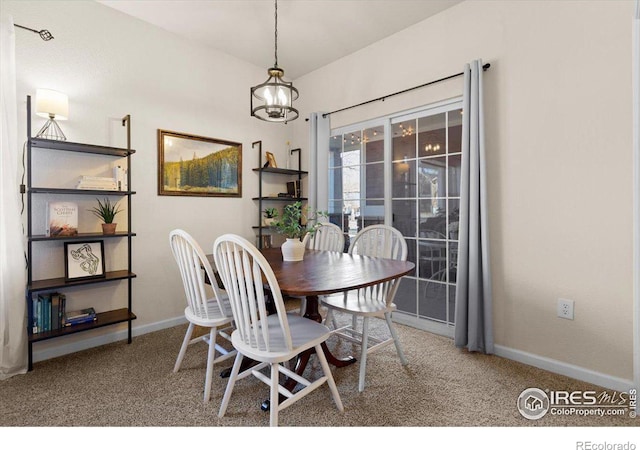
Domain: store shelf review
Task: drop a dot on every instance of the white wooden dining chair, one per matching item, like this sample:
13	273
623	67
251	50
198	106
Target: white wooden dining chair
329	237
269	339
204	310
376	301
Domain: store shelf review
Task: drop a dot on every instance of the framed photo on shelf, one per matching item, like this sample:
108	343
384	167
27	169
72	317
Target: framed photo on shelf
83	260
199	166
271	160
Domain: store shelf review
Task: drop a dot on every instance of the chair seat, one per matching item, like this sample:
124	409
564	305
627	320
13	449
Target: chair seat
354	303
215	316
305	334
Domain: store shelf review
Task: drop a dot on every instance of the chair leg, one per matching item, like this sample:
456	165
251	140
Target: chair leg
232	381
211	354
329	317
303	306
183	349
273	402
396	341
363	353
330	381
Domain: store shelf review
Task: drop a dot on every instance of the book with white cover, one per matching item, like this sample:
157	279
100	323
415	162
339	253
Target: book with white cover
62	219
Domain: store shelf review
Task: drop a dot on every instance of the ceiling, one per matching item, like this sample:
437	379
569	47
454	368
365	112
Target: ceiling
311	33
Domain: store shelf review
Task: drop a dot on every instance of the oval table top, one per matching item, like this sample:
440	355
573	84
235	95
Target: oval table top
323	273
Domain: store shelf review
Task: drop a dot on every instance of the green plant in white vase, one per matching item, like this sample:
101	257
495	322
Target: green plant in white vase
294	223
270	216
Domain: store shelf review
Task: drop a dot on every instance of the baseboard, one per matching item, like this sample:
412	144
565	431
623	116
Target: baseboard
84	344
562	368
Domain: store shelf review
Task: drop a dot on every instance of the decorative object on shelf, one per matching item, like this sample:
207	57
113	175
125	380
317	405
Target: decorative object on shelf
291	227
62	219
293	189
52	105
83	260
270	216
192	165
271	160
274	98
107	212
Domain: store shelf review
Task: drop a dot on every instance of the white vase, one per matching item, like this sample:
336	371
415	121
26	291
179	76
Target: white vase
292	250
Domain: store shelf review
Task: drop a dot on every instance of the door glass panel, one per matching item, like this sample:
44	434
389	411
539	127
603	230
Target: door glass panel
405	299
374	144
432	138
404	179
431	177
432	300
454	131
453	174
433	222
404	140
404	217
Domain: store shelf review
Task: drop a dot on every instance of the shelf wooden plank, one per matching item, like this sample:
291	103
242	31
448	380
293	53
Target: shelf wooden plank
281	199
280	171
103	319
81	148
80	236
42	190
57	283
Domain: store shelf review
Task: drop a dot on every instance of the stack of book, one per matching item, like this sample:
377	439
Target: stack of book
97	183
48	312
80	316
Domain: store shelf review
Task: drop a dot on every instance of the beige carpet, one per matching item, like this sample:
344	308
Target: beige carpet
133	385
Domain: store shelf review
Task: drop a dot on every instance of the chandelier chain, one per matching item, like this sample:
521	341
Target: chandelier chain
276	34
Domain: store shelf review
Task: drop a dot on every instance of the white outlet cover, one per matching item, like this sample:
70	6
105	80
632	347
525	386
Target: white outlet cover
565	308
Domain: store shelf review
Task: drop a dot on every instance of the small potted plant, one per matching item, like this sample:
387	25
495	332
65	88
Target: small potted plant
270	215
107	212
291	226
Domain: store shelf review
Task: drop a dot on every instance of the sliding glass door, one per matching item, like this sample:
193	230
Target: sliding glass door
404	171
425	202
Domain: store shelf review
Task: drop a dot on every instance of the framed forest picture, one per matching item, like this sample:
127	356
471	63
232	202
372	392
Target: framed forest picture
198	166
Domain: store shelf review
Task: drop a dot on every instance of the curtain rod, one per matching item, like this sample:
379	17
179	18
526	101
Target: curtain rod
484	67
44	34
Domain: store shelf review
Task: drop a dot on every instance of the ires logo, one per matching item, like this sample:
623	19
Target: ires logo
587	398
534	403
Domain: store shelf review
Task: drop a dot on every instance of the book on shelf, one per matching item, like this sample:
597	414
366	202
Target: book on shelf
62	219
47	311
97	183
80	316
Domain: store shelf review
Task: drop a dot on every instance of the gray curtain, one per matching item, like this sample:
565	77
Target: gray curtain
474	311
319	133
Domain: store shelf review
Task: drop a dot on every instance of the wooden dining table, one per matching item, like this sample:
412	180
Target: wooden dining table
325	273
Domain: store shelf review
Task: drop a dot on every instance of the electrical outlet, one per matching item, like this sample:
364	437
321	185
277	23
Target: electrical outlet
565	308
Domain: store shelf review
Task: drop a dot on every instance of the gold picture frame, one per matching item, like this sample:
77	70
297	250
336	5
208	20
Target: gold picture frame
191	165
271	160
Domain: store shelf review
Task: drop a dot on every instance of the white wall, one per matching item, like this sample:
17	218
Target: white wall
111	65
558	106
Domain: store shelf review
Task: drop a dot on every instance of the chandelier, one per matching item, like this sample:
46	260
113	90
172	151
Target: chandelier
272	100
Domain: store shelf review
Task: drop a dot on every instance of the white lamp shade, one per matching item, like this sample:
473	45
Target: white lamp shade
49	102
